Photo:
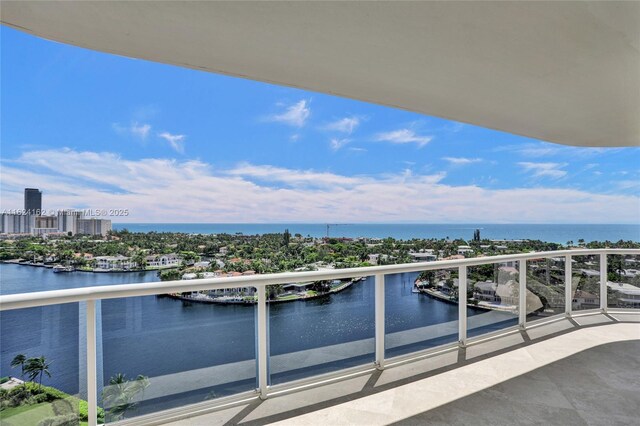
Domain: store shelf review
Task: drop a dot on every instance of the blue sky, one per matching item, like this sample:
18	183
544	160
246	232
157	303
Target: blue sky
94	130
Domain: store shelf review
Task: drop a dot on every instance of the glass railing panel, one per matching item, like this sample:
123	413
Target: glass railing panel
421	311
493	292
545	287
320	327
585	283
623	284
162	352
43	365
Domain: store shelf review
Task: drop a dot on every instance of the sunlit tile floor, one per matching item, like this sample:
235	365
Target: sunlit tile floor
583	371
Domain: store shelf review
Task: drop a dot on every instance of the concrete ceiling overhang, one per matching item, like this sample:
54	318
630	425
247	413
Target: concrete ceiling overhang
564	72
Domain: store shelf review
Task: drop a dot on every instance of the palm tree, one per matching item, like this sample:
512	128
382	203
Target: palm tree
120	395
37	367
19	360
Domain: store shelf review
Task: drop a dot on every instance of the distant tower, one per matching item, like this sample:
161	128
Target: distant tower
33	200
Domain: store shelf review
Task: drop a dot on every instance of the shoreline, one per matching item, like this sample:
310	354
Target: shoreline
438	296
251	300
95	271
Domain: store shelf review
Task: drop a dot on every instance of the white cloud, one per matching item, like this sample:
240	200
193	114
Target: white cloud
163	190
547	149
294	115
403	136
176	141
625	185
337	143
292	177
136	129
551	170
345	125
140	130
461	160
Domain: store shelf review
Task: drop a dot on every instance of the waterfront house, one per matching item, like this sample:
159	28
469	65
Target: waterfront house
296	287
447	288
110	263
163	260
485	291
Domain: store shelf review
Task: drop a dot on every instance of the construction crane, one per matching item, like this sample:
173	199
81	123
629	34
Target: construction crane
329	225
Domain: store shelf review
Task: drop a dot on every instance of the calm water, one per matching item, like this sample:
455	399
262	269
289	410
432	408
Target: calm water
551	233
179	343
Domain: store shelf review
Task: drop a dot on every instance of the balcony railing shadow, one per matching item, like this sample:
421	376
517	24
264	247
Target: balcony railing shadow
538	384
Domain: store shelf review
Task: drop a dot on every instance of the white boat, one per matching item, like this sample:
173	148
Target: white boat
60	268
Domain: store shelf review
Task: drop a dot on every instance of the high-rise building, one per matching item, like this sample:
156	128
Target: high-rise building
32	200
94	226
68	221
16	223
46	222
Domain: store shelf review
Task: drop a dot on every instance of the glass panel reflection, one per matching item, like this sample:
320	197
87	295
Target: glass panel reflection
320	327
545	287
42	365
585	283
494	290
168	351
623	284
421	311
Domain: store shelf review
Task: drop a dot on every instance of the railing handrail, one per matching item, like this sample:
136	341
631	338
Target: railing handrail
55	297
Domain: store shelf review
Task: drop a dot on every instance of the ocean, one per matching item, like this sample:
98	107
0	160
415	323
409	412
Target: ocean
557	233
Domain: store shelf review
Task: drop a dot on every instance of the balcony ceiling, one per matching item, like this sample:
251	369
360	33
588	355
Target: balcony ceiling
565	72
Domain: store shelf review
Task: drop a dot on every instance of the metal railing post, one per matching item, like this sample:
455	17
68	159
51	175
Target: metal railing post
92	370
462	305
568	286
603	282
522	294
379	320
262	341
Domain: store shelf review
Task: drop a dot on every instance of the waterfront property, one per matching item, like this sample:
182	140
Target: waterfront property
163	260
564	72
111	263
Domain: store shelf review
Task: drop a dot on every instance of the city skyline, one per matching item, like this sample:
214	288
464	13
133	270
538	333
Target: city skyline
38	221
177	145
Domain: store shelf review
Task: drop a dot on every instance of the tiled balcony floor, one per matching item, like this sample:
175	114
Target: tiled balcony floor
583	371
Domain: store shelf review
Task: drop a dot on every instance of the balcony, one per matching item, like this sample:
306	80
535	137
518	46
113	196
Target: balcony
541	342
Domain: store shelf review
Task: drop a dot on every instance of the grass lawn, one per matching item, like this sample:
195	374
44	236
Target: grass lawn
26	414
289	297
